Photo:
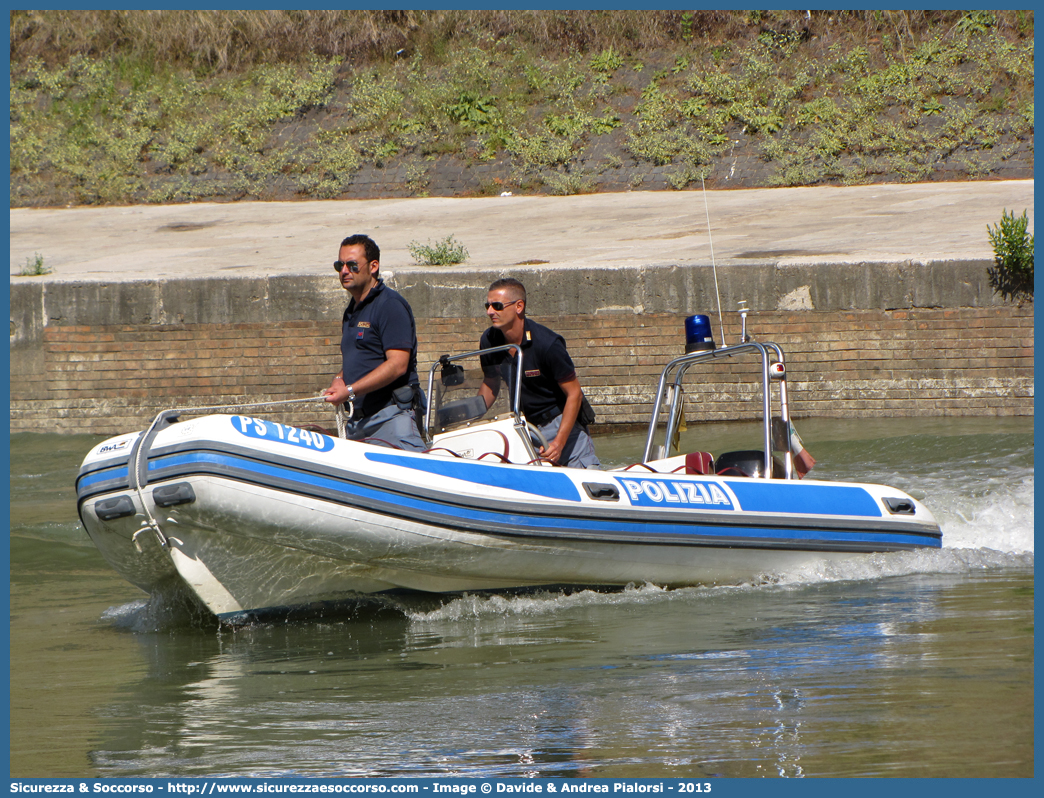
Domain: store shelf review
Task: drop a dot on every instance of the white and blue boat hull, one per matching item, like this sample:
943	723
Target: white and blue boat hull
250	515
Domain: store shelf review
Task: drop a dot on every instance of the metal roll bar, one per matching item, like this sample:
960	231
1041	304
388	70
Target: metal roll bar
445	360
670	394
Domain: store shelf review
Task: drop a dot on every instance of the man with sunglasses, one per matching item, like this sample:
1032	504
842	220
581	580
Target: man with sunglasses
378	353
552	399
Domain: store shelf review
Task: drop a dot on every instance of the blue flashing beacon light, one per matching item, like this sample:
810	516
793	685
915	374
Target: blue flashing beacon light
698	336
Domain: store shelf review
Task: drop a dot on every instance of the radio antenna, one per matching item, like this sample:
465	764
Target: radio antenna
714	268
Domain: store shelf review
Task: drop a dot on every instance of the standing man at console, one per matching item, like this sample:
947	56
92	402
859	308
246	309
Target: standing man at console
551	396
378	353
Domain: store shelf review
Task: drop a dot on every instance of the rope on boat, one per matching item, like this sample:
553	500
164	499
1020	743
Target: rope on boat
180	410
151	522
342	418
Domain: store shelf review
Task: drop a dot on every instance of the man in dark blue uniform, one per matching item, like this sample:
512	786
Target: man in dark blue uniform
551	396
378	353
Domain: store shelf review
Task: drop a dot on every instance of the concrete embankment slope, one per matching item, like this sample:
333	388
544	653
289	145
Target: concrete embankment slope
879	294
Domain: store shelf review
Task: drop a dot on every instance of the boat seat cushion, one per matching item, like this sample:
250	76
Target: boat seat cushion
699	463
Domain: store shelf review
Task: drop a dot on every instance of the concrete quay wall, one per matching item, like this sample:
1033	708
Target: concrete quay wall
896	338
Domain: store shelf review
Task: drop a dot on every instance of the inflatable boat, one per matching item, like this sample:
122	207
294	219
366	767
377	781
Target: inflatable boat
250	515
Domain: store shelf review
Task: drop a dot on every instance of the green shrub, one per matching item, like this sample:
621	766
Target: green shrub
1012	274
473	111
443	253
606	63
976	22
569	183
34	267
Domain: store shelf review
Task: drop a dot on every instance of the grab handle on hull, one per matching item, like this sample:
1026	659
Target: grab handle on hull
171	495
602	491
116	507
898	506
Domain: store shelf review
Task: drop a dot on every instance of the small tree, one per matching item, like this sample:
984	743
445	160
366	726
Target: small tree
1012	273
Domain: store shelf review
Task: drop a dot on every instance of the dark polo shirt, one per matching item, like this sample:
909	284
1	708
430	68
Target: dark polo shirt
382	321
545	363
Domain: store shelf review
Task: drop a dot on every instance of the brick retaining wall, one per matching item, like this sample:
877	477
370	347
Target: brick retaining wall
110	378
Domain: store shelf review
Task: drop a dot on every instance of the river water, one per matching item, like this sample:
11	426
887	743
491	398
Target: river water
909	664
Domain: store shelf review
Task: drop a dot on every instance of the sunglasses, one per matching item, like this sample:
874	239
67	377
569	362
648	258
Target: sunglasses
501	305
353	267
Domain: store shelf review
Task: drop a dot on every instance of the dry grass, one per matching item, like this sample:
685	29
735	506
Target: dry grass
161	106
233	40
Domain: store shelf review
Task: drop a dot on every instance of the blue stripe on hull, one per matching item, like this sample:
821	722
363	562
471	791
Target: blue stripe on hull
118	474
763	496
539	481
758	496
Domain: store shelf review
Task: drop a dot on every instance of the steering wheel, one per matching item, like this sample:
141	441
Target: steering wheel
536	433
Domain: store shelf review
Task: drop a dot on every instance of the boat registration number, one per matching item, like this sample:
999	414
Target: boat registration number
281	433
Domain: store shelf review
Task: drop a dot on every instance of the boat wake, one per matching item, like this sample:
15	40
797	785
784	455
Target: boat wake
159	612
864	567
987	525
978	487
1000	518
984	506
533	604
